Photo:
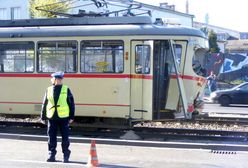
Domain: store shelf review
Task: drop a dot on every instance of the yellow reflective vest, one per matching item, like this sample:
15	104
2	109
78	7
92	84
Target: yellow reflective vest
62	105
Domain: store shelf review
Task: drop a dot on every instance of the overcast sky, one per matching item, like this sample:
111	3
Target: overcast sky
224	13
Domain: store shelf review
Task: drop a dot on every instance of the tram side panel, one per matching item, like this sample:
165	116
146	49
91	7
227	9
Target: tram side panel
101	97
96	97
22	95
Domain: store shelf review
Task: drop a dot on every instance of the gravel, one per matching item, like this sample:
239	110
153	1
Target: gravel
195	125
169	124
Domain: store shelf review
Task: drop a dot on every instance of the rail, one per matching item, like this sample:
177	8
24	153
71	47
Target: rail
143	132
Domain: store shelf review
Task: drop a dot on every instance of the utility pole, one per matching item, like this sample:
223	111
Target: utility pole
187	6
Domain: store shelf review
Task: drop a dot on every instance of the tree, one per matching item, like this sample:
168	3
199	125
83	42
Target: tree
45	6
213	46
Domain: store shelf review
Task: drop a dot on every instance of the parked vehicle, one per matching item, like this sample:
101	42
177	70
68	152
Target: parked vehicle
235	95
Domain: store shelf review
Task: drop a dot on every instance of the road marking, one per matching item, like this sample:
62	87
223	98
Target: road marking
58	162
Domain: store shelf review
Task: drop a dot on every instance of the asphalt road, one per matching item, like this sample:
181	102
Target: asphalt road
32	154
232	109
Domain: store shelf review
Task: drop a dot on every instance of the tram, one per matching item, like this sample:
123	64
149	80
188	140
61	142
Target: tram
124	68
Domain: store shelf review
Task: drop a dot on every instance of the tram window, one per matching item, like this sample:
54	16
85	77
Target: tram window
16	57
57	56
142	59
178	52
102	56
178	55
199	62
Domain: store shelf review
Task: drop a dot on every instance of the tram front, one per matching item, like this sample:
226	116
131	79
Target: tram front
177	85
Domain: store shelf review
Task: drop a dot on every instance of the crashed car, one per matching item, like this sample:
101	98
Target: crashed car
235	95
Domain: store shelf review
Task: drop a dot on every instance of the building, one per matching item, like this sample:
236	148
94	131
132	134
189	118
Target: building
237	46
243	35
18	9
14	9
117	7
170	15
223	34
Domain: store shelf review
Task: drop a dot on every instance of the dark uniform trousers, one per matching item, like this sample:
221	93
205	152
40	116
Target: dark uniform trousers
63	125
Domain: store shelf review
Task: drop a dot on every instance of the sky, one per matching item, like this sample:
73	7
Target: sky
223	13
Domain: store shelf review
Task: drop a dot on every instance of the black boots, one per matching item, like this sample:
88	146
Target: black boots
66	157
66	160
51	159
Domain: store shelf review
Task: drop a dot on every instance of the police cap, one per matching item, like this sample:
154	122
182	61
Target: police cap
59	75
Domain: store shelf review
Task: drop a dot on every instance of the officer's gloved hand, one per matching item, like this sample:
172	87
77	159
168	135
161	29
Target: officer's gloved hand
43	122
70	121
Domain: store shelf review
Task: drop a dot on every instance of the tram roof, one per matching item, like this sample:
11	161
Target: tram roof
76	21
66	27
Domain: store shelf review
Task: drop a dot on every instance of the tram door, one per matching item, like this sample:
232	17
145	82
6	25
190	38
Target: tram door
161	71
141	79
165	63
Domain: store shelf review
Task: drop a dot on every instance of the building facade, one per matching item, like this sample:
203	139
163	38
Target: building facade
18	9
169	15
237	46
222	33
165	11
14	9
244	35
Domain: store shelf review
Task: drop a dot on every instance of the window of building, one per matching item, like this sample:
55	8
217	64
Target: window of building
142	59
102	56
57	56
15	13
16	57
3	13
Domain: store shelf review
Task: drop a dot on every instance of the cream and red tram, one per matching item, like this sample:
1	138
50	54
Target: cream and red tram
117	68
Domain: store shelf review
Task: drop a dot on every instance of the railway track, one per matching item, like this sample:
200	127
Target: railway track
223	119
218	118
192	134
140	132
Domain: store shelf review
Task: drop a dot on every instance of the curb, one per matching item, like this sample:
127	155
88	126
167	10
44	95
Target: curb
159	144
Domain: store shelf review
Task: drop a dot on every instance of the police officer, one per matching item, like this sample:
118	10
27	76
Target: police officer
58	108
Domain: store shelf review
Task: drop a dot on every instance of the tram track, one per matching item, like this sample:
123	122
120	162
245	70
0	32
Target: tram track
241	119
200	120
142	132
193	134
221	120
